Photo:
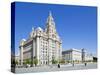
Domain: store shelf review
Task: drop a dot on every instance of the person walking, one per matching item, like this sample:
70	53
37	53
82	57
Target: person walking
85	64
58	65
73	63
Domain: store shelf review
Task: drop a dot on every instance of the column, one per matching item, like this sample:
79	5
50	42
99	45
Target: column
57	51
21	55
34	52
38	44
60	54
49	52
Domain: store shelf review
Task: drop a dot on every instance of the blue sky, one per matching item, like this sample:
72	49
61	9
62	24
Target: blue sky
76	25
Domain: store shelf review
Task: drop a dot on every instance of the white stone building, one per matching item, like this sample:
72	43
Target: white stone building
76	55
45	44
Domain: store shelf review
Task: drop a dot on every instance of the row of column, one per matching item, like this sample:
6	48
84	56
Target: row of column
35	50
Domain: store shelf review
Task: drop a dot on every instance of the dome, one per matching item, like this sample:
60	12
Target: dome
39	28
22	41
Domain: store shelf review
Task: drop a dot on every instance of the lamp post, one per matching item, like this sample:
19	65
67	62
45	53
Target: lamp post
83	55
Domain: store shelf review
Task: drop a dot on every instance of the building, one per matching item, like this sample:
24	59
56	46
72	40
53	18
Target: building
45	45
76	55
72	55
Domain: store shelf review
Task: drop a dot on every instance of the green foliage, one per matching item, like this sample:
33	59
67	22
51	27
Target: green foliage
54	61
68	61
30	61
27	61
16	62
35	61
62	61
89	61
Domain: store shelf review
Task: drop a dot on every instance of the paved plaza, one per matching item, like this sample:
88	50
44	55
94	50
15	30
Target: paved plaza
55	68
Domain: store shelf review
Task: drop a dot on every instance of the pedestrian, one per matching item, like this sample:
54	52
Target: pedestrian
58	65
73	64
85	64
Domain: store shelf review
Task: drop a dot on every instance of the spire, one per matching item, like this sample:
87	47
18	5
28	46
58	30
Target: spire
50	24
50	18
50	14
32	28
31	33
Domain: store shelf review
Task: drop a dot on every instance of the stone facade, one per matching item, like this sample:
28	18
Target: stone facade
45	45
76	55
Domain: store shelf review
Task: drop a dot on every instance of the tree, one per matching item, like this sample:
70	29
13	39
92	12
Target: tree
16	62
62	61
67	61
27	61
54	61
35	61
